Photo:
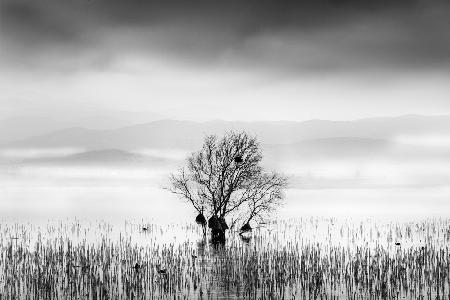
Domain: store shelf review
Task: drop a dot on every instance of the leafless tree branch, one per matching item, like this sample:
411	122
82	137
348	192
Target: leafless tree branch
225	178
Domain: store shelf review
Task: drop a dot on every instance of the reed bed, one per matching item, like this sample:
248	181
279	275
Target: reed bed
293	259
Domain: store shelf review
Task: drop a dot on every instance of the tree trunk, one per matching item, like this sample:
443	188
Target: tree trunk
218	235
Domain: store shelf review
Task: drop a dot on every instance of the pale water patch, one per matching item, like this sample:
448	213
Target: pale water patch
118	201
385	203
429	140
113	203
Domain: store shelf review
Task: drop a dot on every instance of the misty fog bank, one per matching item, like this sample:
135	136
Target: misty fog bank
385	167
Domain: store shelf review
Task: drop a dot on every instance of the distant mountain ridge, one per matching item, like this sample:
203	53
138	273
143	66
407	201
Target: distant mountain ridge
189	134
25	126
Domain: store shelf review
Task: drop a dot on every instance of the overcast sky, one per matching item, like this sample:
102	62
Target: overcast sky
233	59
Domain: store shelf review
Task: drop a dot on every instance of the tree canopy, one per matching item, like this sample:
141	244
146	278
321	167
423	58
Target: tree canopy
225	178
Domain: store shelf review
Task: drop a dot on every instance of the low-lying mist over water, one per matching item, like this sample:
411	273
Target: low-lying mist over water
399	176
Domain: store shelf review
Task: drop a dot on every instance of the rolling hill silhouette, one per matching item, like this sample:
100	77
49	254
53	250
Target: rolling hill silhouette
189	134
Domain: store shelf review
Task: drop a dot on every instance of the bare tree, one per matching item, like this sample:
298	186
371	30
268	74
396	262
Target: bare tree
225	178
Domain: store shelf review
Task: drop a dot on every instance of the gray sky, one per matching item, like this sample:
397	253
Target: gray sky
246	60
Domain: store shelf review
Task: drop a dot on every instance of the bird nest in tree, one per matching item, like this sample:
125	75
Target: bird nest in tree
213	222
246	227
223	224
217	223
200	219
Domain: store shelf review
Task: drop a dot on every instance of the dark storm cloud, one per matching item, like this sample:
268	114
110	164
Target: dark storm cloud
34	24
320	34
